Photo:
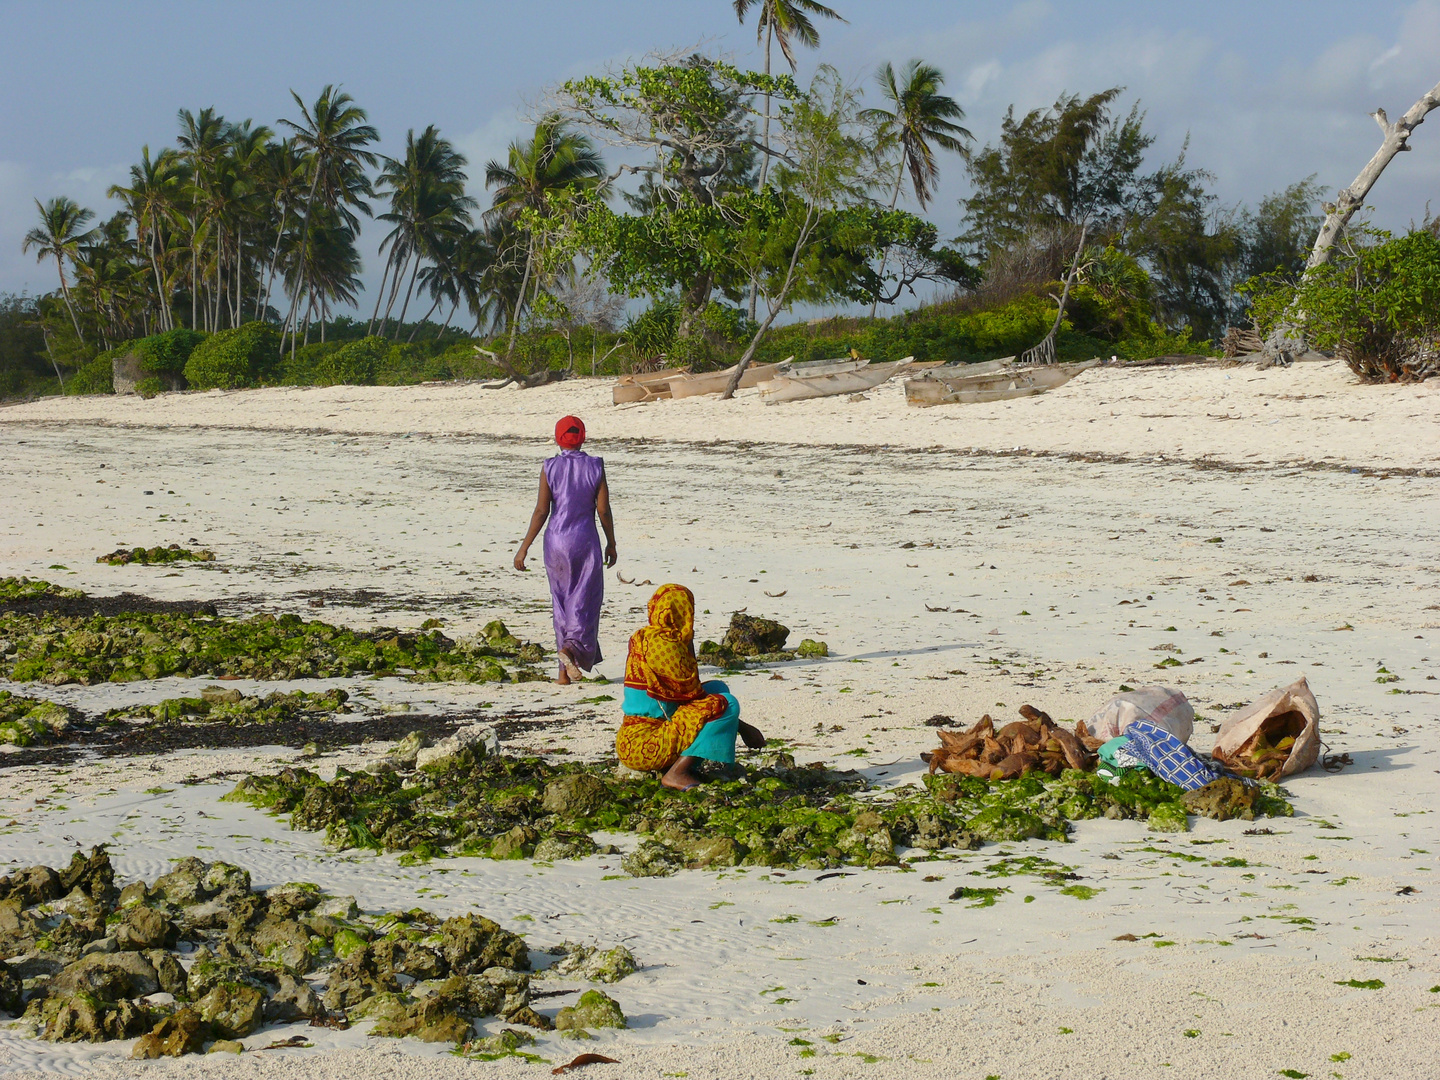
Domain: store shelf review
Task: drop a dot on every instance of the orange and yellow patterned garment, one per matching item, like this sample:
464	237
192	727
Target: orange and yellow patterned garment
666	706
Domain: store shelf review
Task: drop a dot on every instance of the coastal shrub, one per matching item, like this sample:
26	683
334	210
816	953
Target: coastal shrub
934	333
231	359
354	363
96	377
167	353
1376	304
299	369
150	386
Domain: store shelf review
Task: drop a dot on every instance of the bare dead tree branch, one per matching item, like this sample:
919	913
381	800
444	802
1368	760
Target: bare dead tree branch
1288	340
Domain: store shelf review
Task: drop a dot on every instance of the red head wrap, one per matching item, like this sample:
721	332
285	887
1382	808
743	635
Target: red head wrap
569	433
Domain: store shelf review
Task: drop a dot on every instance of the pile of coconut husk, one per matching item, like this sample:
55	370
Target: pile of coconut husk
1035	743
199	958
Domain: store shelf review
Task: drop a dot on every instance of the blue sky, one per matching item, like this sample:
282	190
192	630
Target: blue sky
1268	92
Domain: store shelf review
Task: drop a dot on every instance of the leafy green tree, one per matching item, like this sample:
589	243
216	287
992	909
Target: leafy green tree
202	149
59	236
1376	301
1056	168
691	124
281	186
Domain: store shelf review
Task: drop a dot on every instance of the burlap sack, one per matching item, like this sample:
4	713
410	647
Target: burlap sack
1249	741
1163	706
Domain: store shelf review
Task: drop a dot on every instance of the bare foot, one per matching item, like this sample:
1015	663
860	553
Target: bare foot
572	669
680	776
564	679
751	736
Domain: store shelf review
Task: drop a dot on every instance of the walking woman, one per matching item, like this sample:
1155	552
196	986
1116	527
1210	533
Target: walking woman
573	492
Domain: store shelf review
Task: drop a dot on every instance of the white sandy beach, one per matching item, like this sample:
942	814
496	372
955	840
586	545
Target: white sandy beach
1264	524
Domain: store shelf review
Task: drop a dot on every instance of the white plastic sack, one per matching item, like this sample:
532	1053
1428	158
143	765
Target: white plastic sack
1163	706
1290	712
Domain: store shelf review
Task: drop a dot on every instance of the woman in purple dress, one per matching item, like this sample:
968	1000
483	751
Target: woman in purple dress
572	492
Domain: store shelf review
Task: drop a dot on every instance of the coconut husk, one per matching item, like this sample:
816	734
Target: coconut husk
1034	743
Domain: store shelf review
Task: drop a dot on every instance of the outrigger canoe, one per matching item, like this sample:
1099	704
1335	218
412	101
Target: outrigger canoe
963	384
645	386
828	378
713	382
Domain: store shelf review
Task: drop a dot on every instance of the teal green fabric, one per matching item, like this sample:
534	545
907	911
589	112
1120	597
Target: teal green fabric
639	703
716	741
1107	753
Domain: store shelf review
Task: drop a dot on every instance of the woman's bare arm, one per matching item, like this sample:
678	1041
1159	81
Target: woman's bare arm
537	521
607	520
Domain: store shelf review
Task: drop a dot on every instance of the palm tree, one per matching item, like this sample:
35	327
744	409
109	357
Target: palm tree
553	160
332	265
153	199
555	157
428	205
281	180
782	22
333	134
202	148
919	116
246	152
59	236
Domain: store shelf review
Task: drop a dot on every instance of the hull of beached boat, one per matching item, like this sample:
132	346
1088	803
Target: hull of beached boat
713	382
959	386
797	387
645	386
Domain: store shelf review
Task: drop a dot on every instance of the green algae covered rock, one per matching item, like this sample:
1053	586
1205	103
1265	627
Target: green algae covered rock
595	1009
653	859
575	795
233	1010
1169	817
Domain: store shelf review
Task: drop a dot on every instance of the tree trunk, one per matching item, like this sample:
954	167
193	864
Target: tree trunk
515	315
238	311
304	244
1044	353
394	291
380	294
423	320
65	292
776	306
894	198
1287	340
261	305
409	292
764	158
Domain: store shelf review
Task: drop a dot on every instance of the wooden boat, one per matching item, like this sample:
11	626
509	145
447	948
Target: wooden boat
713	382
961	384
645	386
829	378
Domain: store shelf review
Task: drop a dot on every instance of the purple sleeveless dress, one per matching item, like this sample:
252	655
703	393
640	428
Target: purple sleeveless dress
573	560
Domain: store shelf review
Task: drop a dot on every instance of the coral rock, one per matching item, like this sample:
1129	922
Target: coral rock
180	1033
233	1009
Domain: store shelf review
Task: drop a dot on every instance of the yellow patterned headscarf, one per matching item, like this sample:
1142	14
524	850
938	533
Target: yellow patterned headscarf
662	655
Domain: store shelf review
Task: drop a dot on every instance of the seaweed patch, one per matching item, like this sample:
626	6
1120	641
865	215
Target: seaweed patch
154	556
774	814
55	648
